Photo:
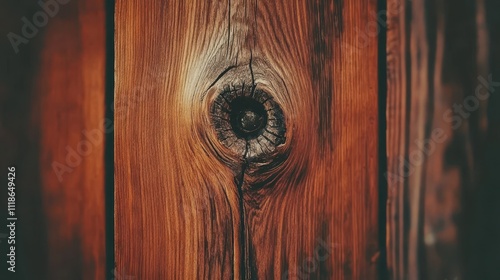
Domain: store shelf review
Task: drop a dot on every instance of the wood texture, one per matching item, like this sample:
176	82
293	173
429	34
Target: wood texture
442	126
189	206
51	98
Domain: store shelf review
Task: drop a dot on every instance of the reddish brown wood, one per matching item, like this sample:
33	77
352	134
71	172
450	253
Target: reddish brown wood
189	207
51	91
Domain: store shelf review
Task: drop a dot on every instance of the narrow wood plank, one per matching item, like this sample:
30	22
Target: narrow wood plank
195	200
52	110
19	147
439	123
481	227
71	89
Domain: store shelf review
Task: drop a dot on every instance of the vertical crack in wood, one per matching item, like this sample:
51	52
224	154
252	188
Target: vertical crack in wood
246	271
244	239
228	26
251	73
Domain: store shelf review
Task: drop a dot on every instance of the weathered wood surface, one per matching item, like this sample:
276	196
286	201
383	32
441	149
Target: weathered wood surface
193	204
51	91
443	139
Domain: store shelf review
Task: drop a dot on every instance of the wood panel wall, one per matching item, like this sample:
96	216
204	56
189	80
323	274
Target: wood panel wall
300	202
51	114
191	205
442	139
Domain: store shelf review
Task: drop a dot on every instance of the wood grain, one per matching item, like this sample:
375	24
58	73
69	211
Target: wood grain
441	127
188	206
51	97
72	86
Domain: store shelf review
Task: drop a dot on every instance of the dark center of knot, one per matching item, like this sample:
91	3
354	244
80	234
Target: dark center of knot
248	117
250	121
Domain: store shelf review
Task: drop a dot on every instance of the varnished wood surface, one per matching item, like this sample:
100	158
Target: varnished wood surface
442	222
187	206
51	91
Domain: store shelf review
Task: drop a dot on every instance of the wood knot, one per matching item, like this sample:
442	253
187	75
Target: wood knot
248	117
248	121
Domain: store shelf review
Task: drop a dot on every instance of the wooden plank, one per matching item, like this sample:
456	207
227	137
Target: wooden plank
52	101
198	196
19	147
440	121
481	227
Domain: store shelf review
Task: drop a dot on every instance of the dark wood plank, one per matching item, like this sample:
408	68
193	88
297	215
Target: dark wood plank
195	201
440	139
481	227
51	98
18	146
